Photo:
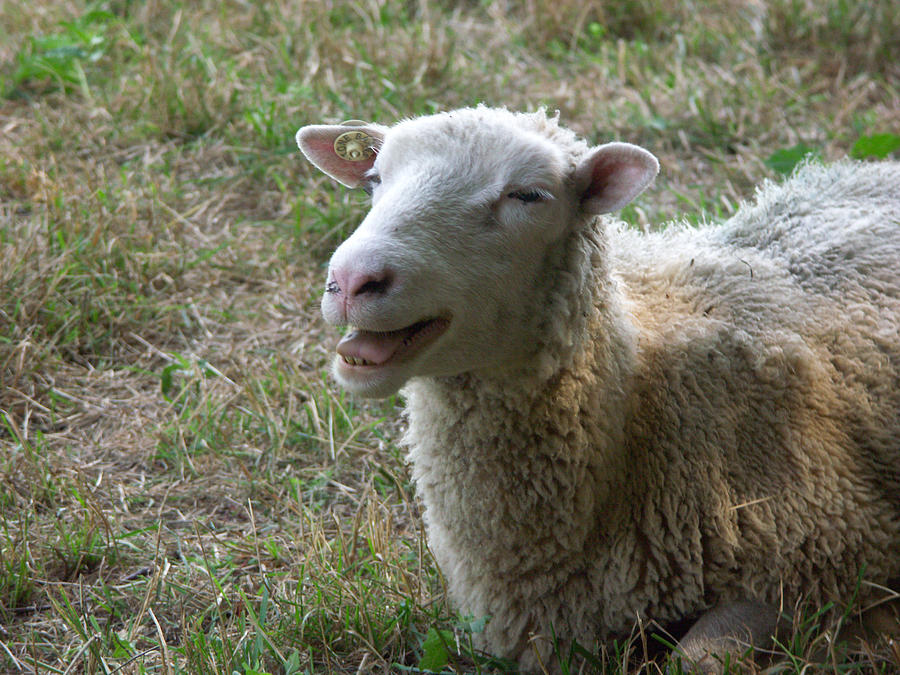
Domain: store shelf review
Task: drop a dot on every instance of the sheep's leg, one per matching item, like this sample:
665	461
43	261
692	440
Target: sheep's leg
728	628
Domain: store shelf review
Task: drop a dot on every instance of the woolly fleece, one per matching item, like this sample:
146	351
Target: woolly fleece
705	414
725	426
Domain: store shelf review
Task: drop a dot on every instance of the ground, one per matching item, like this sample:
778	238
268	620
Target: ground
183	489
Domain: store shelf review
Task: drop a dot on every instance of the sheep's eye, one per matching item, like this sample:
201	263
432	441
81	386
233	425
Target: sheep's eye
370	184
529	196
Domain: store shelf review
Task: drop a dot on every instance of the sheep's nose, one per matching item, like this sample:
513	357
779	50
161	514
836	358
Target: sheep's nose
353	284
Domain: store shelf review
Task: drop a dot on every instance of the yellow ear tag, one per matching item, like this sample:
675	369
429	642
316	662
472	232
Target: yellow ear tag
354	146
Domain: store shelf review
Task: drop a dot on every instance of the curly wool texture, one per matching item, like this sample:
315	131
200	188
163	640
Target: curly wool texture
715	416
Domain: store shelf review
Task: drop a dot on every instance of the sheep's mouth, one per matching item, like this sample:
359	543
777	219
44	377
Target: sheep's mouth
368	349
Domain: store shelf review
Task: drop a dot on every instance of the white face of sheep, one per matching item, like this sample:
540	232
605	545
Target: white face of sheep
440	277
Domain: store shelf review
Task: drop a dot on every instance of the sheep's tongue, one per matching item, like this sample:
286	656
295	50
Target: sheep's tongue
375	348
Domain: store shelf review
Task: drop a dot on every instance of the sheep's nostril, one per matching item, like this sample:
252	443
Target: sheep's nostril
374	286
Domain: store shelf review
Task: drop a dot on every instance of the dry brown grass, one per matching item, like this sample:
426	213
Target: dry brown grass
181	487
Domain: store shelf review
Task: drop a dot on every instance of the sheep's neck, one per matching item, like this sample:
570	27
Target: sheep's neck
506	462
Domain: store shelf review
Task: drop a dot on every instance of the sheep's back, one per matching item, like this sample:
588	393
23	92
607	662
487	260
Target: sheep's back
815	260
769	375
812	250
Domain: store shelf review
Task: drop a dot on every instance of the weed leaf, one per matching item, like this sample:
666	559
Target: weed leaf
877	145
165	379
434	650
786	160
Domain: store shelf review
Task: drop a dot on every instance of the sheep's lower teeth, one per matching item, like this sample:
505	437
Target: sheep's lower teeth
353	361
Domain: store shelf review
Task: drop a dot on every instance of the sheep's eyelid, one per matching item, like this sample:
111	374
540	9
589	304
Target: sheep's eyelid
530	195
371	181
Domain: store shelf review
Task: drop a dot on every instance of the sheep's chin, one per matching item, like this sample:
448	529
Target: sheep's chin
371	382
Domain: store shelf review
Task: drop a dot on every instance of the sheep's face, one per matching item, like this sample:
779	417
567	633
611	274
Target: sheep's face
443	276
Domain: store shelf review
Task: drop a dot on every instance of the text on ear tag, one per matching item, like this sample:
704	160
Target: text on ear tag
354	146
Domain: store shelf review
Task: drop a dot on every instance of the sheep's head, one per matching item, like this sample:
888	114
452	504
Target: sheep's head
444	274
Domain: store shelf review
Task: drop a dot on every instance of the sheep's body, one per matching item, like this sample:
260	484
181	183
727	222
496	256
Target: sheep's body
709	415
734	434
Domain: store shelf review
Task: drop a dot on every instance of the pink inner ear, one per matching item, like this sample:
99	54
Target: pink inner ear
320	147
615	174
612	177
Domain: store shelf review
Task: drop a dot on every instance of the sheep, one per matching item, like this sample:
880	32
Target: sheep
608	426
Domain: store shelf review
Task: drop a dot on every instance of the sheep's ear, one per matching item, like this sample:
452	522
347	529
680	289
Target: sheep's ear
611	175
344	152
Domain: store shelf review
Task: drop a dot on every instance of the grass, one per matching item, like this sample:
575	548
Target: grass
182	488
